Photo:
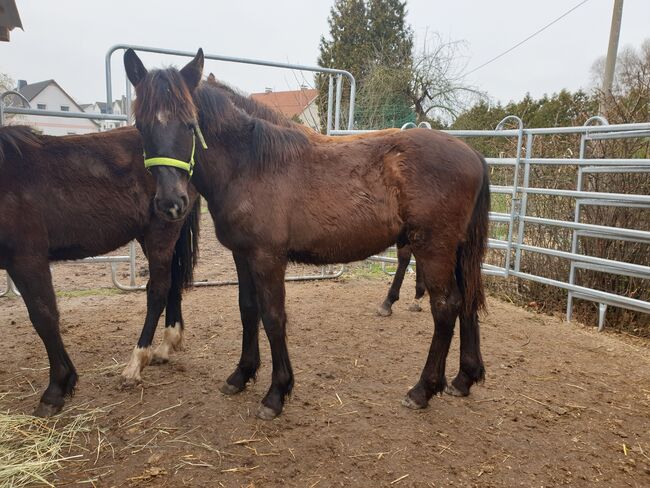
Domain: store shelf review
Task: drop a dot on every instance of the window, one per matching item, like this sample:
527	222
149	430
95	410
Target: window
41	106
65	108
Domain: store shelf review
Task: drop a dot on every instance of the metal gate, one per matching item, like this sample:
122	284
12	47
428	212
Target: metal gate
517	220
333	123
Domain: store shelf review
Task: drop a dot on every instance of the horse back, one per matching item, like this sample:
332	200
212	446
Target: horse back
73	196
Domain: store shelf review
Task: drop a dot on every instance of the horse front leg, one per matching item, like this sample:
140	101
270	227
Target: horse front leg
32	276
159	248
174	324
268	276
249	361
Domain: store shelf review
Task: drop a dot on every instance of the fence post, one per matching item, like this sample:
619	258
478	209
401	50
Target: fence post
524	200
515	183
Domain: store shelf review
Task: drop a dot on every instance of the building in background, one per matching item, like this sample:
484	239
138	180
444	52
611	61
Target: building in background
48	95
298	105
9	19
119	107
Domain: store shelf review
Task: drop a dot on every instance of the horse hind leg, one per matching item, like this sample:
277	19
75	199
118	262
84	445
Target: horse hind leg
34	281
471	363
445	299
420	290
403	260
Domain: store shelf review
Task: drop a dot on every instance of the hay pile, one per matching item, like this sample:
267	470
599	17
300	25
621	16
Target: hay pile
33	449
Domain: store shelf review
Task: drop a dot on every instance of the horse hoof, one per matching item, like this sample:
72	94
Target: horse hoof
228	389
46	410
408	402
415	307
157	360
127	383
383	311
453	391
266	413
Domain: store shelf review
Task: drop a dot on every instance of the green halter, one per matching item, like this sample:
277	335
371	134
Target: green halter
177	163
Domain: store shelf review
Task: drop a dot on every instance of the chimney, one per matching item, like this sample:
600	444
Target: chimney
268	90
21	84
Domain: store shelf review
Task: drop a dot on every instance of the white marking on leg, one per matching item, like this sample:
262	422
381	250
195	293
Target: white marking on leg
416	305
140	357
172	341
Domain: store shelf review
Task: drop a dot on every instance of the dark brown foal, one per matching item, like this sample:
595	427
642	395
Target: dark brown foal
76	196
279	194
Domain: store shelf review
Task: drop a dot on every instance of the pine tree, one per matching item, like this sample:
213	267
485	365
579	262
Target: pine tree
365	35
390	37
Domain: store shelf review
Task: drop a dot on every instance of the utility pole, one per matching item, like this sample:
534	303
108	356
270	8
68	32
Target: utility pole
612	50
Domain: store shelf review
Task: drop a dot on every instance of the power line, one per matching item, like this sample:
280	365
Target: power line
528	38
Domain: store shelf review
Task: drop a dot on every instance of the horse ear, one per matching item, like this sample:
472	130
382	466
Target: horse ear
212	78
135	70
193	71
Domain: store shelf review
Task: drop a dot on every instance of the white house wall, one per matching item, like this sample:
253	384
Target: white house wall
54	98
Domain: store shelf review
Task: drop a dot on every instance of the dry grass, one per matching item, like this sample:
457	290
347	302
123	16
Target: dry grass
33	449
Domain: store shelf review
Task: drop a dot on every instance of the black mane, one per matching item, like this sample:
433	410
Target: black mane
264	136
13	137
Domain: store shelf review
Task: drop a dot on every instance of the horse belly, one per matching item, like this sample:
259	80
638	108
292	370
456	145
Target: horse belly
349	233
79	229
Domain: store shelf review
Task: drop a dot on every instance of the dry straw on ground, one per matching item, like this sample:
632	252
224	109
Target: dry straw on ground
32	449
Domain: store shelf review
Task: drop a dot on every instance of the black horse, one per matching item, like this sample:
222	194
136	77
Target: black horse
77	196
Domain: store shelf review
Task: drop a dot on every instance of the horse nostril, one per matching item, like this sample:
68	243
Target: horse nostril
185	201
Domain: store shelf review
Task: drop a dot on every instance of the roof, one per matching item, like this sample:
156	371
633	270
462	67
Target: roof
33	89
290	103
9	18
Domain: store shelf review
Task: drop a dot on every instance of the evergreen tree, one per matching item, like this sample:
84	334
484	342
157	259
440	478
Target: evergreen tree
390	37
364	35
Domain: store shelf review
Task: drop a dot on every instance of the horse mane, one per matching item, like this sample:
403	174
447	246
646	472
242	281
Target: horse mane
14	137
250	106
164	91
226	115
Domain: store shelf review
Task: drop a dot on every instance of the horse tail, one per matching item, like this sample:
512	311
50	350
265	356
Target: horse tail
186	251
471	252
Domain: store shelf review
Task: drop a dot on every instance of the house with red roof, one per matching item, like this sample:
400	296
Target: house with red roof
299	105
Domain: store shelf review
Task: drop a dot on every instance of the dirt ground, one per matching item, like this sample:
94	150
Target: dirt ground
561	404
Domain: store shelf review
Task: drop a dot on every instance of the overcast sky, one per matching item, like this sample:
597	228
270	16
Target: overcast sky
67	39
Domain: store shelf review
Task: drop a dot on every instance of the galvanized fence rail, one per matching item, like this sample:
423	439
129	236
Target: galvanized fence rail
518	220
513	244
334	108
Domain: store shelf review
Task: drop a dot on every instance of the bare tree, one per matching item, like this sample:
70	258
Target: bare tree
438	87
6	82
433	86
630	96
